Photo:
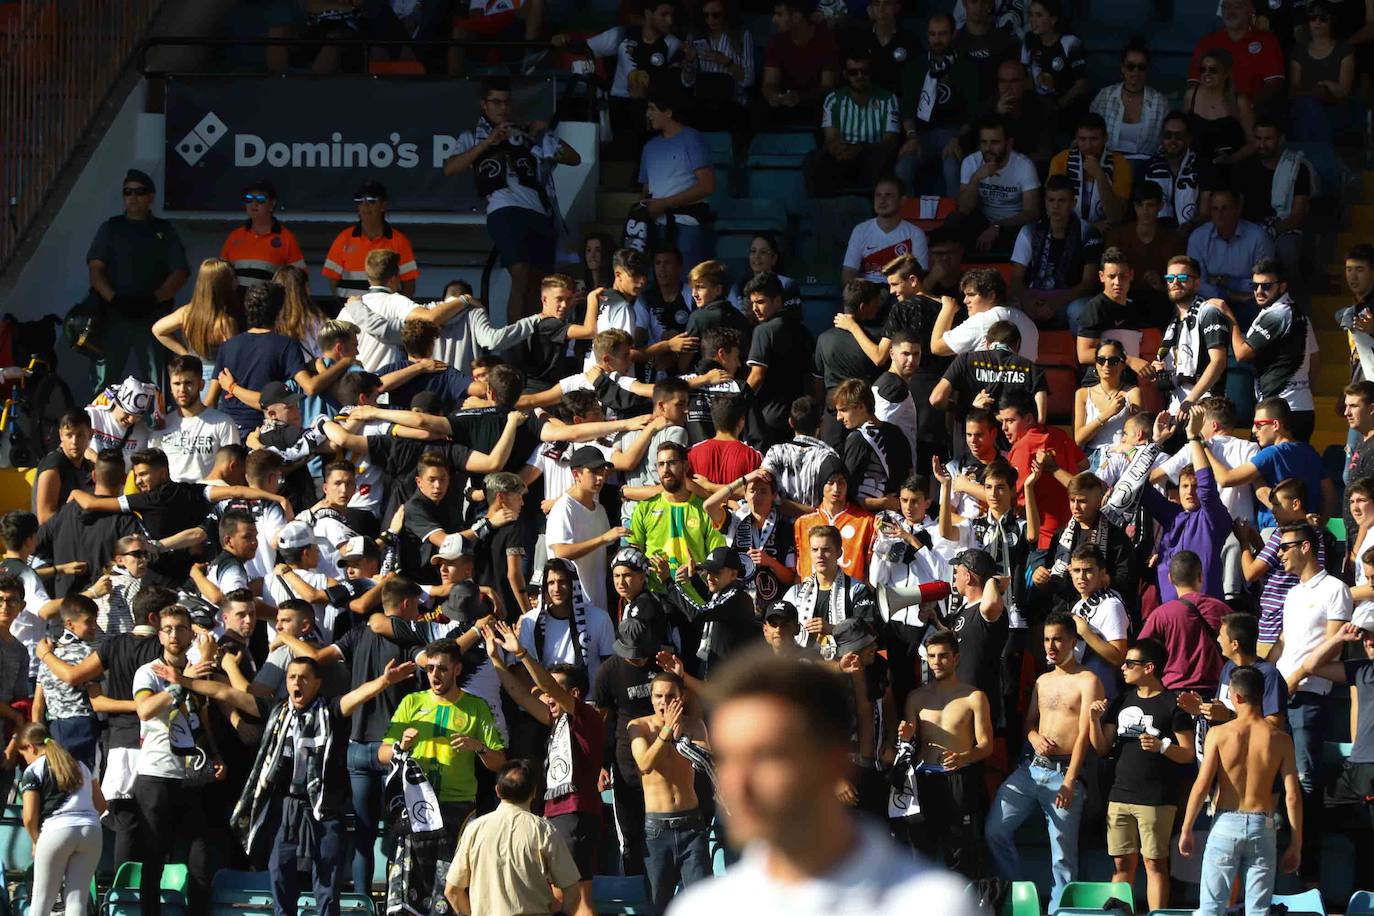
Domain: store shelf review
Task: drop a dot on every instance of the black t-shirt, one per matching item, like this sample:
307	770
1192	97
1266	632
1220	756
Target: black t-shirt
397	459
878	458
546	355
1255	181
366	654
479	429
700	426
122	655
69	476
490	561
997	371
166	510
1278	336
296	484
717	314
422	518
780	345
917	316
839	357
981	645
891	58
1101	314
1359	465
74	535
987	52
622	691
1144	777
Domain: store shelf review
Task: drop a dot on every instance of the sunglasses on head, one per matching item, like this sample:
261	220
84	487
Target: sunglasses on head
1110	360
255	197
367	199
136	192
1177	278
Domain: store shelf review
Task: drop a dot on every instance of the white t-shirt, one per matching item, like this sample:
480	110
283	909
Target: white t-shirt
374	353
107	433
579	382
1233	452
515	194
876	879
1306	609
901	414
999	194
371	485
571	522
871	247
972	333
558	648
270	519
157	736
191	442
1106	617
76	810
556	474
28	627
277	591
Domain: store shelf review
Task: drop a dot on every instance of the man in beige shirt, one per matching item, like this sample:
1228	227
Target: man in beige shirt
511	862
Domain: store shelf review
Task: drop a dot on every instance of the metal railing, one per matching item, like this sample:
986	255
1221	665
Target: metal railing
58	63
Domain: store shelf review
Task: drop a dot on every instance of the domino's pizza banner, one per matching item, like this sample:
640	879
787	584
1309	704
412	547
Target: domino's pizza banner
318	140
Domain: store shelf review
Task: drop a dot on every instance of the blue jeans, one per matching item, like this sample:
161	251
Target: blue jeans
79	735
919	173
327	846
1243	844
677	852
1309	719
1031	786
365	774
694	244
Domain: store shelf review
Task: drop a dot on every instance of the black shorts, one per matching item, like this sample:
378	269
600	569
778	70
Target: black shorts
582	833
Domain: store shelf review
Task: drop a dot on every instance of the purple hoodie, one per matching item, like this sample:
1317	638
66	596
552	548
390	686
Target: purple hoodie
1203	532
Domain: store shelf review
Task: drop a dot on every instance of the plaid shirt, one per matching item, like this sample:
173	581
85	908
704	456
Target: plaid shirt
1153	108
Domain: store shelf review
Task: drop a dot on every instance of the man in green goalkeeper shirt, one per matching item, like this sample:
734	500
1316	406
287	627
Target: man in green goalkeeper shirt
673	523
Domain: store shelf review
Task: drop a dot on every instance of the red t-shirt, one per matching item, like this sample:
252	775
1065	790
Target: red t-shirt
588	734
801	65
1255	59
721	461
1191	640
1050	496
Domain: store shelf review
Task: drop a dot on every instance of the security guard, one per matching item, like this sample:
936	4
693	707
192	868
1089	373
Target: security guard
345	267
262	244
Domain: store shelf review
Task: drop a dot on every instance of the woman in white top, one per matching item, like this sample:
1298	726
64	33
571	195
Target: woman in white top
62	811
1100	412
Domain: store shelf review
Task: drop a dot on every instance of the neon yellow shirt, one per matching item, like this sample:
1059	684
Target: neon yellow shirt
438	721
680	531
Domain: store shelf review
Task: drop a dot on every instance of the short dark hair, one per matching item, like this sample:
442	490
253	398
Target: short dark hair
150	601
1087	551
263	303
355	384
505	384
492	84
1361	252
1114	255
635	263
669	387
76	606
1152	651
1185	568
1244	629
230	521
815	692
75	418
721	338
306	662
17	527
11	584
1137	45
1004	332
446	647
515	781
986	282
805	415
768	284
857	293
150	457
1091	121
575	675
1063	620
1060	183
1019	400
185	364
1270	267
727	412
1247	684
944	638
1277	409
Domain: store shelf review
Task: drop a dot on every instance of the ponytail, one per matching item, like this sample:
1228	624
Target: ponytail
62	766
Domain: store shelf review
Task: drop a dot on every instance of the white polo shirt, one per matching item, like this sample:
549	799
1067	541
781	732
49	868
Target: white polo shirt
1306	609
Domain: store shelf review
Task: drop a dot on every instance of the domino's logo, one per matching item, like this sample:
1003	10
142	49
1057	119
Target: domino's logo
204	135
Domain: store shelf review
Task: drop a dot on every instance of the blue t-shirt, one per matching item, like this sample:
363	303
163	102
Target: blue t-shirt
1275	688
1359	672
1290	459
254	360
668	166
450	384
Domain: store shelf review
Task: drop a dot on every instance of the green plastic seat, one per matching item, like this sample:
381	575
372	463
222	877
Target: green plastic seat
1337	528
1090	895
1023	900
123	893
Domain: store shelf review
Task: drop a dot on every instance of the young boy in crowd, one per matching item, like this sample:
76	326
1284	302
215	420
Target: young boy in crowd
1100	616
70	716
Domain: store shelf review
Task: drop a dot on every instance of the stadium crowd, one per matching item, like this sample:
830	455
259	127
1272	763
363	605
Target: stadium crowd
400	590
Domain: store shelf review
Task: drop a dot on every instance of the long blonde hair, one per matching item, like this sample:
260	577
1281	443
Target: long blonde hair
300	317
66	772
214	314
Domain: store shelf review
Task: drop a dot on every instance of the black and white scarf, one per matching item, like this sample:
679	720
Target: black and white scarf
840	607
1181	190
308	734
423	845
1089	194
1120	505
1004	539
936	67
702	762
1046	271
577	620
1183	338
558	767
872	484
1096	537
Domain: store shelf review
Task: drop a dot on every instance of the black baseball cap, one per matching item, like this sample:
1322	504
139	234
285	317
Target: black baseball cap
263	186
636	640
370	189
785	610
851	636
588	457
722	558
278	393
977	561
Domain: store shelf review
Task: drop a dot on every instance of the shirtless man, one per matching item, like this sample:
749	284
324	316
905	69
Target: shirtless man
950	723
1059	731
1244	756
674	830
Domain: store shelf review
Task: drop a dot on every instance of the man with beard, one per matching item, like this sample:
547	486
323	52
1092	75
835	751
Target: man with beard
939	95
1101	178
1192	355
949	726
999	189
829	595
1181	175
875	242
674	523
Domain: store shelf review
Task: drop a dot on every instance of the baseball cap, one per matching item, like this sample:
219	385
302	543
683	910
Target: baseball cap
138	176
632	557
784	611
262	185
851	636
977	561
588	457
636	640
357	548
295	535
453	547
278	393
721	558
370	189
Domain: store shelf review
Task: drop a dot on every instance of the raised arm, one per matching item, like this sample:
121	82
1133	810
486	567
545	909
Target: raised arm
393	674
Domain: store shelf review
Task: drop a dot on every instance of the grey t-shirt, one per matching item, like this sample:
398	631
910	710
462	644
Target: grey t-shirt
645	474
272	675
1360	673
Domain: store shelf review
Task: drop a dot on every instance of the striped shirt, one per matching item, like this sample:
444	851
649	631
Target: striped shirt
796	467
1274	590
742	55
857	122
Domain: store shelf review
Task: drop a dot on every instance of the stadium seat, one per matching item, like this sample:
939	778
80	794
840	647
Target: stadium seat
1361	904
749	215
1091	895
16	849
1063	385
1309	901
1022	900
794	145
911	212
395	68
777	178
123	895
617	894
722	148
228	881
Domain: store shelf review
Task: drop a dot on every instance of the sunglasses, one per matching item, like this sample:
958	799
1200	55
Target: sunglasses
1289	545
1266	286
1209	69
367	199
1177	278
1172	134
136	192
137	554
1134	663
1135	67
1110	360
1260	424
256	198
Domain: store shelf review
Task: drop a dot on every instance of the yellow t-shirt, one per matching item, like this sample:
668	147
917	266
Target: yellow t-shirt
438	721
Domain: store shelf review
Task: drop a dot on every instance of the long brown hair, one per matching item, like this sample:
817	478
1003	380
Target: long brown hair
300	317
65	771
214	314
